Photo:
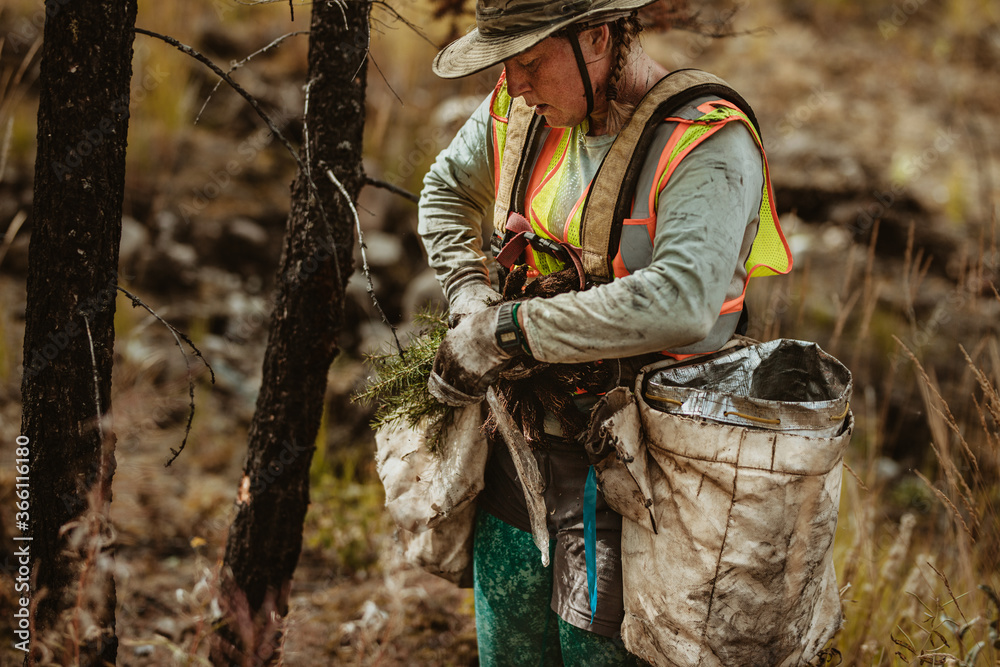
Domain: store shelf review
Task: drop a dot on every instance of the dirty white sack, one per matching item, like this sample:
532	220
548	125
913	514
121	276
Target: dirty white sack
728	533
431	495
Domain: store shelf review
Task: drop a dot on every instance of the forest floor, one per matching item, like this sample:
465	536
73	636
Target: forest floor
869	113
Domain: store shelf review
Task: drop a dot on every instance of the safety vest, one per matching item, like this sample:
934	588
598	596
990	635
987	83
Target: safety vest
624	225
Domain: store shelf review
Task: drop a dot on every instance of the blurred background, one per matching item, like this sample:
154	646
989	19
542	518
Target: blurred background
882	125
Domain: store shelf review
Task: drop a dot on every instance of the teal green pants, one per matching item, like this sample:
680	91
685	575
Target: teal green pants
515	623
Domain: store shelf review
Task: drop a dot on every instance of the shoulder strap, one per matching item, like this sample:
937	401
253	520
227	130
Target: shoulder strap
521	125
611	191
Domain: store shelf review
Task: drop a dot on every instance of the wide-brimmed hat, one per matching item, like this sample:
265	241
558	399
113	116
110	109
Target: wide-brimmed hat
505	28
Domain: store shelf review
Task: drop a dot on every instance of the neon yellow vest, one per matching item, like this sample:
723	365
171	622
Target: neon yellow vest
769	254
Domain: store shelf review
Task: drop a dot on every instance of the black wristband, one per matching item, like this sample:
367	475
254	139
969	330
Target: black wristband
508	333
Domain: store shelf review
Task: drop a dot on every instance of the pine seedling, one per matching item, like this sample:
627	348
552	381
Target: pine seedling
397	387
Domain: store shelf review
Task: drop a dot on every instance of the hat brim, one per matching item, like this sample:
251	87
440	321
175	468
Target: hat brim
475	52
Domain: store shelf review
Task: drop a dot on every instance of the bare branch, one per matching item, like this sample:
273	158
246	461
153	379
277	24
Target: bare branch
97	382
399	17
343	11
364	258
12	229
305	130
398	98
241	63
178	336
235	86
303	168
5	144
394	189
307	173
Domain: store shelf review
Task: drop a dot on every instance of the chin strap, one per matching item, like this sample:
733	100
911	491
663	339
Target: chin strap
574	41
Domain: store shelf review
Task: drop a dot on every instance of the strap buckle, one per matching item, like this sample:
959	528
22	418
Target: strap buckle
548	246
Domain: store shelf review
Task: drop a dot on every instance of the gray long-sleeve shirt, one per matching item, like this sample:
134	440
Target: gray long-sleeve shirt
707	217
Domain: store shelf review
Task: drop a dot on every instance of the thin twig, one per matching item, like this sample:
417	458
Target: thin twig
228	79
97	384
303	169
312	184
241	63
395	189
343	10
389	85
404	21
364	258
947	585
12	229
178	336
856	478
947	502
305	130
5	146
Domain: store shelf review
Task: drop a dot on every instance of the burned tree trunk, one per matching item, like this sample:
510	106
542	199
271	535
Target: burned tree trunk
266	536
86	68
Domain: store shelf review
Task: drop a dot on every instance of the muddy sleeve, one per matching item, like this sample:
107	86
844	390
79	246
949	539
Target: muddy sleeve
705	214
457	194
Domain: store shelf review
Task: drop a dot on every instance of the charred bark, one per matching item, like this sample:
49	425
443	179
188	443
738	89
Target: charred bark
86	68
265	538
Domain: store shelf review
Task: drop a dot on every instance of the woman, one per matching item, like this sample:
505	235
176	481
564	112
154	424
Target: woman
680	275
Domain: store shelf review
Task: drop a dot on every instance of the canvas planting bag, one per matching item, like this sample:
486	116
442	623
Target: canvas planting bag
728	474
431	495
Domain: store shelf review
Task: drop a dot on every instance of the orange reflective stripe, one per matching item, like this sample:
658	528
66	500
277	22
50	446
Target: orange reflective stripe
496	158
540	177
649	224
735	305
498	140
497	90
661	164
709	107
682	357
677	159
573	214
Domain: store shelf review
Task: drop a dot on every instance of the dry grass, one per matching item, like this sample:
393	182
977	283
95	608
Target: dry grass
918	549
923	590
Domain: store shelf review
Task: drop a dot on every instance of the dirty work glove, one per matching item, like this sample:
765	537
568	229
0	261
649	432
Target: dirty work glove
472	355
471	298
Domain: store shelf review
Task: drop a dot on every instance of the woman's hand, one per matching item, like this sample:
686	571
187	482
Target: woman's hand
472	298
470	357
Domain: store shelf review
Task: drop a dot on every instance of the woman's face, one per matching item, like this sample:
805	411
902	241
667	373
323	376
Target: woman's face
547	77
